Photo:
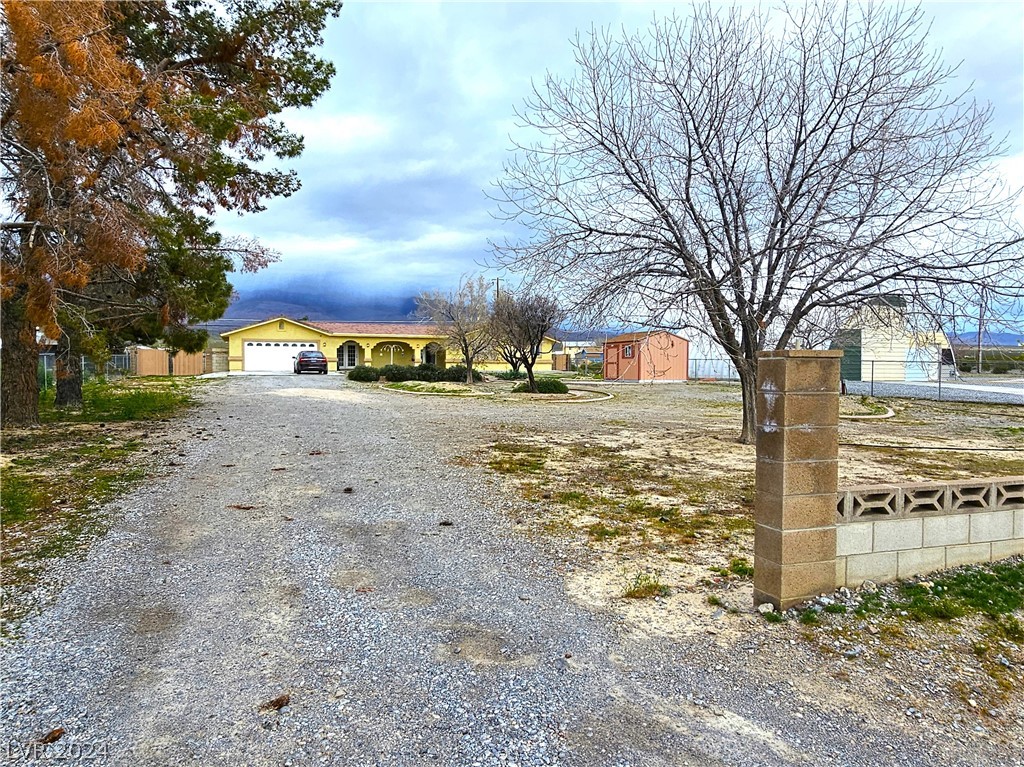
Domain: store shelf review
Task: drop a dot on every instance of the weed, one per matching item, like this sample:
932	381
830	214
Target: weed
809	617
575	499
741	567
518	458
835	609
645	586
601	532
774	617
714	601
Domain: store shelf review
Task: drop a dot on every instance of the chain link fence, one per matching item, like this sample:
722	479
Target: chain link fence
118	365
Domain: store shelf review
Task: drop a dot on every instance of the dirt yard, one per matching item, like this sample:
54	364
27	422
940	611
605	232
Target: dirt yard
656	491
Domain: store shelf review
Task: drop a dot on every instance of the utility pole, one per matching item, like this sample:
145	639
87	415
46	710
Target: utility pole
981	323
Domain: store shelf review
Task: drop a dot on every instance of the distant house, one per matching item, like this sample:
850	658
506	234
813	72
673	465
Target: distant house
269	346
879	345
655	355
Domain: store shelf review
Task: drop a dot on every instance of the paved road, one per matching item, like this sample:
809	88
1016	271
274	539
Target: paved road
297	548
1006	391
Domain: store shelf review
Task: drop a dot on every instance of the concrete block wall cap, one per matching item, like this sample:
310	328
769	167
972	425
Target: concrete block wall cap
791	353
870	489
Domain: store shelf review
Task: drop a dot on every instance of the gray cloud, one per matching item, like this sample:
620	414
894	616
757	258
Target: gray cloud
416	126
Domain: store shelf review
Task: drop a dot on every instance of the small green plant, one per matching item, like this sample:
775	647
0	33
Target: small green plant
715	601
834	609
741	567
809	617
774	617
645	586
364	374
545	385
601	532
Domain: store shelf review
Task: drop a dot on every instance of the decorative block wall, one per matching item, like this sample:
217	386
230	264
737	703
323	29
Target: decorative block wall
897	531
810	537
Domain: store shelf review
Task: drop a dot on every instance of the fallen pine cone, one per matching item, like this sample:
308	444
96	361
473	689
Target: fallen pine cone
276	704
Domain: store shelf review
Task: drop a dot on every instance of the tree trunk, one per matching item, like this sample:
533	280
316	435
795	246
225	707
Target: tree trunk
748	383
69	373
19	364
529	375
469	369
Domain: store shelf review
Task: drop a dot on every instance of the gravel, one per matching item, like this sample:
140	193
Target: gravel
398	640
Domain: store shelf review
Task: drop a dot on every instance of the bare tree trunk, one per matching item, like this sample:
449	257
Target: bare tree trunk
469	369
529	375
69	373
748	383
19	362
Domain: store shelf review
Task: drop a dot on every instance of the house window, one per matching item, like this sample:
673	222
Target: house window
627	350
280	324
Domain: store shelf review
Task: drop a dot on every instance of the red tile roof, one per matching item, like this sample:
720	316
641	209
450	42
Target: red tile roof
377	328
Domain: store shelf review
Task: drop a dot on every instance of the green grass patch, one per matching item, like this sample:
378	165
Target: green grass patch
426	387
127	400
517	458
995	591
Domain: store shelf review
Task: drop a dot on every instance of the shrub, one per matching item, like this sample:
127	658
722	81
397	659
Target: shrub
428	373
510	375
399	373
545	385
457	374
363	373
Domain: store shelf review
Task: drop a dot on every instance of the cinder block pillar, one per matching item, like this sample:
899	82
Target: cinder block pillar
797	475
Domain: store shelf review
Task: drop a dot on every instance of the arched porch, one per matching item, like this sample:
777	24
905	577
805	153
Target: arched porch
393	353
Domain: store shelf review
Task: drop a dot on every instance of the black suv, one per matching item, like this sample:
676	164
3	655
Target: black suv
314	361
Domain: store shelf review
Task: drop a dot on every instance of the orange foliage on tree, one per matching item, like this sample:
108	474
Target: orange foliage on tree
69	97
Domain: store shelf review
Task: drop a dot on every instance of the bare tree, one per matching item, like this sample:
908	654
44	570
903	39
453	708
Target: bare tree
463	316
739	175
521	323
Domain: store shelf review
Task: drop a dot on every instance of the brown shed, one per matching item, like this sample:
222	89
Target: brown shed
653	355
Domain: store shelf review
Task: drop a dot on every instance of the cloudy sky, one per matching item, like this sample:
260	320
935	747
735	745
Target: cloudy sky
400	153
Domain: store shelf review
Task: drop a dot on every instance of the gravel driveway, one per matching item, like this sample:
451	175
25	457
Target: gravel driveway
316	539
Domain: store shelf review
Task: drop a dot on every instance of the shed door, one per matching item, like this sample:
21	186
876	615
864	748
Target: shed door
272	356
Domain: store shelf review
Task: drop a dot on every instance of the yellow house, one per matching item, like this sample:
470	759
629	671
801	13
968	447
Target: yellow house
270	345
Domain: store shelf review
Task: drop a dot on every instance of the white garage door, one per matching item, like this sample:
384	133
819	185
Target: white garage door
272	355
